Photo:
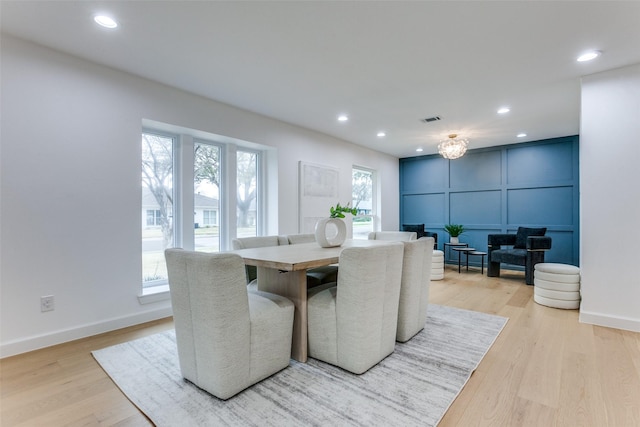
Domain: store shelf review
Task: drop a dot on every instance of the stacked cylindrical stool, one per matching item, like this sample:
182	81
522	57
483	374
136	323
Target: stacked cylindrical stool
557	285
437	265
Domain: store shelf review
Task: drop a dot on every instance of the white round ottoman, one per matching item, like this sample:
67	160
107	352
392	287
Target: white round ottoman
437	265
557	285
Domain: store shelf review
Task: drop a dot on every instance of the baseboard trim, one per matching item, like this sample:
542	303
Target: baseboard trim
617	322
24	345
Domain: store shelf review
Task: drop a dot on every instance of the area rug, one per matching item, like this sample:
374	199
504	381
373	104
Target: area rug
414	386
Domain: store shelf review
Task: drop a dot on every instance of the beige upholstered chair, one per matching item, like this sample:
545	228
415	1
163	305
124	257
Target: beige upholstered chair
256	242
295	239
353	325
399	236
228	338
319	275
414	291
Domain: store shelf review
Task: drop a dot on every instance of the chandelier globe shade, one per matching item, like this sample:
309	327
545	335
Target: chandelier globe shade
453	147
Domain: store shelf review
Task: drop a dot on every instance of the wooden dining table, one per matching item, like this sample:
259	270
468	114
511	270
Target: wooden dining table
282	270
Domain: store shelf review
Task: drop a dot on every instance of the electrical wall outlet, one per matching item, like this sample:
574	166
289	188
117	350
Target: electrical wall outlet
47	303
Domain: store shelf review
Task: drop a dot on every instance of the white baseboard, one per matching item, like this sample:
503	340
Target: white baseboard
24	345
625	323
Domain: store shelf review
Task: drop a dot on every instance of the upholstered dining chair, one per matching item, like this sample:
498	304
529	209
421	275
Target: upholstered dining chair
414	288
353	324
228	338
319	275
398	236
295	239
256	242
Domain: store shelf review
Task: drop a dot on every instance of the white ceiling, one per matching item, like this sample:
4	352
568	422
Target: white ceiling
385	64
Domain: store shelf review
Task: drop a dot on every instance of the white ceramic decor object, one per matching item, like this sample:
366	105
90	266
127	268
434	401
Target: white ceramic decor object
330	232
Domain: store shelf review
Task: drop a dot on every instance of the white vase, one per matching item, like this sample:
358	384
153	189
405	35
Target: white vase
454	240
330	232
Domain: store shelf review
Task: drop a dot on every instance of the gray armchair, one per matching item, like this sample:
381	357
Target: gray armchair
228	338
528	248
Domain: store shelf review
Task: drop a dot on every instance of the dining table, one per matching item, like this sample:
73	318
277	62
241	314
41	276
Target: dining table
283	269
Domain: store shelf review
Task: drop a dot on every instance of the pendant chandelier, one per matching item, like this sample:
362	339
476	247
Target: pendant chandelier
453	148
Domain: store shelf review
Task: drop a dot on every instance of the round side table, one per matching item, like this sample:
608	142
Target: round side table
466	250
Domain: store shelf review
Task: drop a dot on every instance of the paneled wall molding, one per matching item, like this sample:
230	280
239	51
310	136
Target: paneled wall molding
496	190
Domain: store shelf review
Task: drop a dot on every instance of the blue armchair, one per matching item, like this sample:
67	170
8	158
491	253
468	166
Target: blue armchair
528	248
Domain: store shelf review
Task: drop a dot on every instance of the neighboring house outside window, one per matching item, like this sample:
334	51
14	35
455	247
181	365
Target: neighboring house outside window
210	217
153	217
206	211
151	213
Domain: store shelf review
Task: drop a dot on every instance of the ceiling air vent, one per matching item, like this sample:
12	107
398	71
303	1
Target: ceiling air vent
431	119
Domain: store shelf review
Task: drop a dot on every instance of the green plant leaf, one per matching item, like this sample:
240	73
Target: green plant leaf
339	211
454	230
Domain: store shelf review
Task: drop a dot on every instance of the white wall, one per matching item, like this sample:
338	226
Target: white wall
610	198
70	188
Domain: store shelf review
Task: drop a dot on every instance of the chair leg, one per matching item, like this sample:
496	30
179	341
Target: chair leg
533	258
528	274
493	269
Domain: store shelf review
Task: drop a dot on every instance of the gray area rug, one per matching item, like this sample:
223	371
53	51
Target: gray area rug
414	386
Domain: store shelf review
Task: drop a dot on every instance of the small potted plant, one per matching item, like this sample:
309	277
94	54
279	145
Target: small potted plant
454	230
339	211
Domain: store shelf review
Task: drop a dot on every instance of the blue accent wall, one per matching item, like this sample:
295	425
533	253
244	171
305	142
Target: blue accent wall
495	190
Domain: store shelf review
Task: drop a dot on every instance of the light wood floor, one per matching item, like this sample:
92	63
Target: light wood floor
545	369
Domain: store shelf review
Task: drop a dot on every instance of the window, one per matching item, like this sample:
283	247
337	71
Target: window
206	199
209	218
157	203
153	217
172	216
247	197
363	199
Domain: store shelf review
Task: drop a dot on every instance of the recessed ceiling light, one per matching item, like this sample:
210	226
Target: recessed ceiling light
343	118
419	150
381	134
588	56
521	135
105	21
504	110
